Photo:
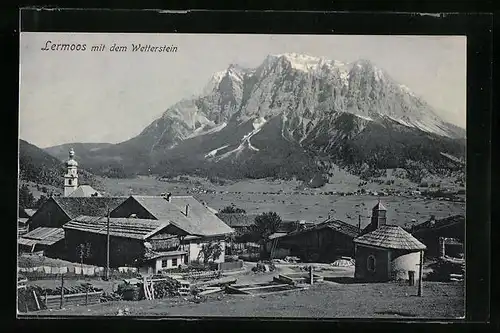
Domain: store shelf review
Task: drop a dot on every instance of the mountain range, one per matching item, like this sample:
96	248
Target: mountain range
294	115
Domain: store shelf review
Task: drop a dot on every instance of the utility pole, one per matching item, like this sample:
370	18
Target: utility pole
359	222
107	248
420	270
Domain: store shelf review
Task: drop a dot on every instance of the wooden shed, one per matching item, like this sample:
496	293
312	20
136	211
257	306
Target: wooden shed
132	240
387	253
58	210
48	240
323	242
432	232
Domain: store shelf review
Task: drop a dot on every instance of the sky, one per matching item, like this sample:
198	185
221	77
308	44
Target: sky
70	96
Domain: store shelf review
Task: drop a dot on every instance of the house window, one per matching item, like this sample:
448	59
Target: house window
174	262
164	263
370	263
69	182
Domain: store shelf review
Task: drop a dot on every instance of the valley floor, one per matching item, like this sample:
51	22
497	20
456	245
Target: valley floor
291	203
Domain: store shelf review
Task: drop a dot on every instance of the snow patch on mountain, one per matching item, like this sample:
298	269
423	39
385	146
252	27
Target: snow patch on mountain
203	131
308	63
401	121
364	117
430	127
214	152
245	141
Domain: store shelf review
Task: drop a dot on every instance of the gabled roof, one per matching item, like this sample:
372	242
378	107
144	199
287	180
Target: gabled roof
30	212
42	236
390	237
84	191
343	227
118	226
199	221
430	226
91	206
26	212
237	220
336	225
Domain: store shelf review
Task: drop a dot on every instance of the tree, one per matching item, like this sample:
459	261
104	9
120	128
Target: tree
266	224
40	201
83	252
232	210
26	198
210	251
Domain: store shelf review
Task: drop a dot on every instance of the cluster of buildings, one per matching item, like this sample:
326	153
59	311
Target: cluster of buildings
149	232
165	231
381	251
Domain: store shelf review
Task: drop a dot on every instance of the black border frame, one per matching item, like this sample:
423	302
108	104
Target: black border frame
477	26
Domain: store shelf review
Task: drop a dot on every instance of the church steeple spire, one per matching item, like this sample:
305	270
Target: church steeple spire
71	176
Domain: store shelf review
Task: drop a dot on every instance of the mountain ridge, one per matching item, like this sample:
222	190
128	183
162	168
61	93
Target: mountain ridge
319	107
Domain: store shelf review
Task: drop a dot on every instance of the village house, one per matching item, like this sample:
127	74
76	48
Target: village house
442	237
133	242
187	218
386	252
323	242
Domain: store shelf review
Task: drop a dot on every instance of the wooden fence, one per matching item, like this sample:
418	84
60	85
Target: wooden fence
72	270
54	301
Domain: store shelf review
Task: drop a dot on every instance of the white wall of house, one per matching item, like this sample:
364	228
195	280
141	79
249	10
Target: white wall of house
169	262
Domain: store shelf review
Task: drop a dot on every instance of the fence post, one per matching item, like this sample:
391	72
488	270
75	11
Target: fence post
62	292
36	300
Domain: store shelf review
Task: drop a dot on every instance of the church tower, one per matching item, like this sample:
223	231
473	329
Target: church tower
71	176
378	216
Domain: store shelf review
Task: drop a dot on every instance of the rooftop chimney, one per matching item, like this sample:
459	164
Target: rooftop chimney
187	209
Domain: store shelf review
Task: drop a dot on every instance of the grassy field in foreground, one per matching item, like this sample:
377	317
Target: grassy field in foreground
308	204
325	300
